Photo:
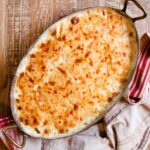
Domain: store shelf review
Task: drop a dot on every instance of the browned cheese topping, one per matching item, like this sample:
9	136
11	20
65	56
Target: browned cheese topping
76	73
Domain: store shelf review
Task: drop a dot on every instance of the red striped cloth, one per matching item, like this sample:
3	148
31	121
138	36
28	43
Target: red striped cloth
135	90
4	121
14	133
142	73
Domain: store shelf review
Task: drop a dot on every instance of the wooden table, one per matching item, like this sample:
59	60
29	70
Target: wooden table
22	21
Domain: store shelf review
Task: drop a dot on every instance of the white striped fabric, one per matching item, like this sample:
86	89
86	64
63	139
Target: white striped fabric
142	73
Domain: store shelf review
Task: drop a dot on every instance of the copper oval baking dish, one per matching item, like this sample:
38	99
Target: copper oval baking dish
121	12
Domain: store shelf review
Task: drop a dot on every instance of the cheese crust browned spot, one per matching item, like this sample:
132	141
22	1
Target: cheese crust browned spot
74	74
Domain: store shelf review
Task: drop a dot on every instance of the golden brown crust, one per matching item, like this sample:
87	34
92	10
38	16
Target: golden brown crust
77	72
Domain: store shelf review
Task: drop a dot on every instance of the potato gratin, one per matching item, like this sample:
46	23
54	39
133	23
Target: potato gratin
73	72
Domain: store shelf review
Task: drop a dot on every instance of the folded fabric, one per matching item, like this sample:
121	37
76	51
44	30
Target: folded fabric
31	143
135	90
124	127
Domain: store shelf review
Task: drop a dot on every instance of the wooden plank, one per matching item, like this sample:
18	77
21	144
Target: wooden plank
3	53
4	108
63	8
81	4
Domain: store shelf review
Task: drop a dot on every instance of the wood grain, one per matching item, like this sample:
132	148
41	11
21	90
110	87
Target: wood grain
22	21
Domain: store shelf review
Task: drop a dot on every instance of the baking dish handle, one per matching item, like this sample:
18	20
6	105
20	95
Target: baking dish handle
139	6
11	139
